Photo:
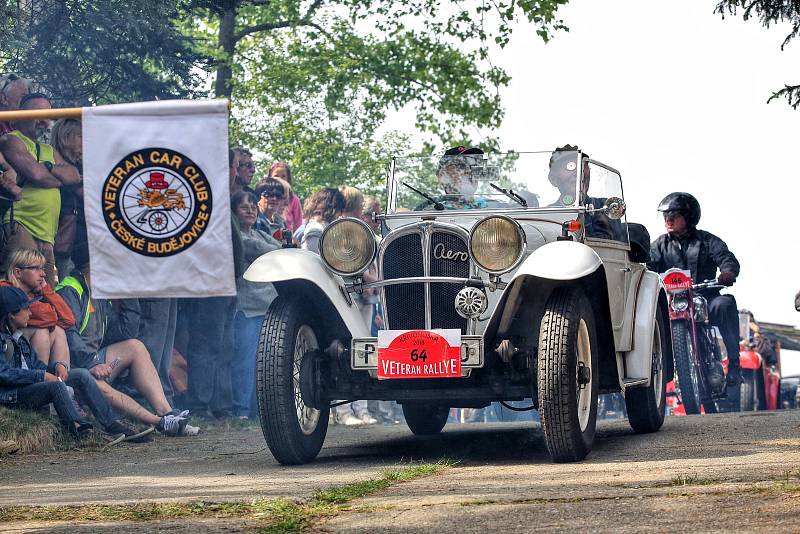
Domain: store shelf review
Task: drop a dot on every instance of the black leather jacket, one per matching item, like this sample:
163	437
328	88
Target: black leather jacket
699	251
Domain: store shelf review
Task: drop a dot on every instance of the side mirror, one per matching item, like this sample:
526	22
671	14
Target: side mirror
614	208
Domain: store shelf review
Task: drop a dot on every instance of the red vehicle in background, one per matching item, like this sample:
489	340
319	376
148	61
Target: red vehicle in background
761	377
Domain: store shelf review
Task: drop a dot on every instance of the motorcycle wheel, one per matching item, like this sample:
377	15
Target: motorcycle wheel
687	378
646	406
748	394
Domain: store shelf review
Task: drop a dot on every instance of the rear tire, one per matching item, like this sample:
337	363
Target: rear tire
688	381
646	406
747	401
294	432
567	379
425	419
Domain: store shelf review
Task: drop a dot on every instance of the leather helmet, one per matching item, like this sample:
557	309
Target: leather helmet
682	203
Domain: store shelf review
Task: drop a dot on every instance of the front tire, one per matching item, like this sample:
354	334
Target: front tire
567	379
425	419
294	432
646	406
685	369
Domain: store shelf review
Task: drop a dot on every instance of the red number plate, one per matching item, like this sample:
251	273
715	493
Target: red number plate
419	354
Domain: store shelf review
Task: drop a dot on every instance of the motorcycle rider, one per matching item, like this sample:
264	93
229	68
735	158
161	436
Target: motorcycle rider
701	253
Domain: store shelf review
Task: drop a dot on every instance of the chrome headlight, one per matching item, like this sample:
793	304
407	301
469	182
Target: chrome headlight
348	246
497	244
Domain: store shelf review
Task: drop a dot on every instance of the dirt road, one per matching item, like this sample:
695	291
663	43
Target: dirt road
731	472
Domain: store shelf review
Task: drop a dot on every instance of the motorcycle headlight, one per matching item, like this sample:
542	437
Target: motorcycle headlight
679	303
497	244
347	246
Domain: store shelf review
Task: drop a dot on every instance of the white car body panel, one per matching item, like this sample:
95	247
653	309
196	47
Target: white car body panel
639	361
560	260
293	264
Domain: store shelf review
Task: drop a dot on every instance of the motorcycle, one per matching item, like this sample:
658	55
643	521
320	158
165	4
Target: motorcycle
700	355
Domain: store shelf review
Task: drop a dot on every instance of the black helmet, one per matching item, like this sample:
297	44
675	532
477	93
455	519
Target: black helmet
682	203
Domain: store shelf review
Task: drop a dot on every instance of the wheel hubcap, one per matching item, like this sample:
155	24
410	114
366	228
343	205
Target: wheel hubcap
584	375
307	417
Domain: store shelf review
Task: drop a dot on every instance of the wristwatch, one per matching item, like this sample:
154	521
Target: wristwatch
66	367
48	166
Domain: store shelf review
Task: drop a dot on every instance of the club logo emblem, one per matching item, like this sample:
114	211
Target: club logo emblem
156	202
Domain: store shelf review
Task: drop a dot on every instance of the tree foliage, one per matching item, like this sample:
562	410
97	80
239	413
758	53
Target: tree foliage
313	81
769	12
100	51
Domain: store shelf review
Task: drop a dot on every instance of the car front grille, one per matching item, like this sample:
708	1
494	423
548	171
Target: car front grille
445	252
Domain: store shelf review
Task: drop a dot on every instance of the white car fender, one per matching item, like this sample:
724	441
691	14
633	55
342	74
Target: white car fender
639	361
560	260
294	264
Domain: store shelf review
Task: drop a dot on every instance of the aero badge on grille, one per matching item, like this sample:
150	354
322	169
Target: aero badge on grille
441	253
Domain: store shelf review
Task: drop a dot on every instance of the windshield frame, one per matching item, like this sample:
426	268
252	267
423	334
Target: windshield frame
393	186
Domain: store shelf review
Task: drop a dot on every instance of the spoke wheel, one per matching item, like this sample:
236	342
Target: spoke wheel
294	431
567	375
686	376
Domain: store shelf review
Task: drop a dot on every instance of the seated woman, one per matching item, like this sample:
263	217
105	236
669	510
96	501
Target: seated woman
26	382
50	315
106	359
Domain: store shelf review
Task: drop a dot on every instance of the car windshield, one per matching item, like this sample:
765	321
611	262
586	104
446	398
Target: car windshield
474	181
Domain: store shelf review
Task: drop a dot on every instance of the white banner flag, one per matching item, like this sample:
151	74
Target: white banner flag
156	197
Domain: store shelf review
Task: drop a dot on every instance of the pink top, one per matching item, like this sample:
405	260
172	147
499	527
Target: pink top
293	215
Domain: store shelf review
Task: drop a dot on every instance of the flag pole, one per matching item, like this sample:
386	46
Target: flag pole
54	113
34	114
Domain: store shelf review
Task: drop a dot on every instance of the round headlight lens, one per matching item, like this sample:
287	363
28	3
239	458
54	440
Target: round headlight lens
497	244
347	246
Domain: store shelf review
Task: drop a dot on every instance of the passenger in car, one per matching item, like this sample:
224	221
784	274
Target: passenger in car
454	173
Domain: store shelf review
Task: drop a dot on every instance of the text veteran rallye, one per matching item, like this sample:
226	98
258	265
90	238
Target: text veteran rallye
500	276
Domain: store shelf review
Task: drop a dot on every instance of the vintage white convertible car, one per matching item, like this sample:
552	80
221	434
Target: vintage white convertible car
500	277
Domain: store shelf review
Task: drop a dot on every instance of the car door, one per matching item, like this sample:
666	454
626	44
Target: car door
609	239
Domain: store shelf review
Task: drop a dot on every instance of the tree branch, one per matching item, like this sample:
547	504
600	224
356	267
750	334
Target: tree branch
305	20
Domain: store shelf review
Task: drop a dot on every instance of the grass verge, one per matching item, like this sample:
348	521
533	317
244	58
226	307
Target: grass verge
32	431
274	515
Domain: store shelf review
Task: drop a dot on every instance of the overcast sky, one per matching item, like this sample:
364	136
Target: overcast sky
674	97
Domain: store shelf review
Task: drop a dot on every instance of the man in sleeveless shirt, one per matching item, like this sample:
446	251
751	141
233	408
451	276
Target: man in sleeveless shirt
41	171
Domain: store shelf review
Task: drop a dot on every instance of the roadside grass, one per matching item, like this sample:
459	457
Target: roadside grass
32	431
277	515
691	480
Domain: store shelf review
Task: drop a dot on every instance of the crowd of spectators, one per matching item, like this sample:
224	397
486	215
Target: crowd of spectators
138	365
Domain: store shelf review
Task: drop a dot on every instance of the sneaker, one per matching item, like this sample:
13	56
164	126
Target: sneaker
349	420
83	431
128	432
190	430
173	424
367	419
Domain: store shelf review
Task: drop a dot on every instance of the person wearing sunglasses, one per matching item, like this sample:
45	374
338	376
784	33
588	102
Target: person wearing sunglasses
12	89
245	170
271	195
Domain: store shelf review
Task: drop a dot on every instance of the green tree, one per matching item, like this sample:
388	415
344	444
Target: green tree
769	12
101	51
313	81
